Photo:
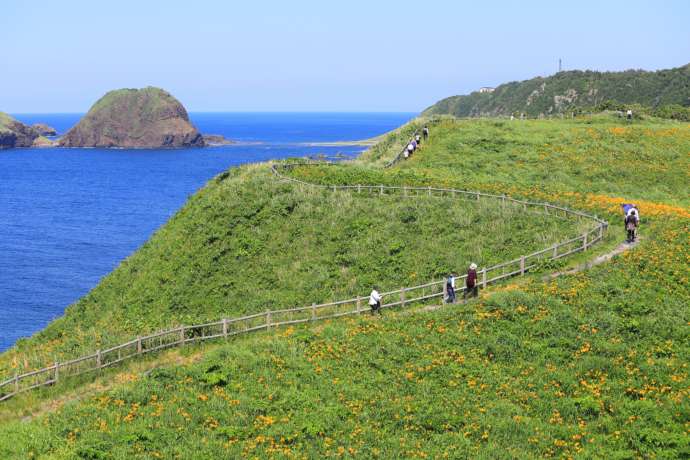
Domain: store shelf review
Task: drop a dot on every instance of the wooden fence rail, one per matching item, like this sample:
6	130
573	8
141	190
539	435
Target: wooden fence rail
228	327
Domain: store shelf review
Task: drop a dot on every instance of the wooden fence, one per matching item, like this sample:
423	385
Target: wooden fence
228	327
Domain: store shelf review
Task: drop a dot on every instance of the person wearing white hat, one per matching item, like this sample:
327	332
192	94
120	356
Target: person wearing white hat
471	288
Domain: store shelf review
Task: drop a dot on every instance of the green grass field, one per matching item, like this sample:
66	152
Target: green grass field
586	366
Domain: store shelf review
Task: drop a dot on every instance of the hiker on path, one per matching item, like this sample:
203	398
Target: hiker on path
410	149
629	115
471	287
418	139
425	131
632	220
450	288
414	144
375	301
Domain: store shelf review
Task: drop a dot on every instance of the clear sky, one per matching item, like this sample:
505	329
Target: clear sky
299	55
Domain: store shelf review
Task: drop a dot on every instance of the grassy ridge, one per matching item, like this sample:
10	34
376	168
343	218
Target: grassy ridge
586	366
247	243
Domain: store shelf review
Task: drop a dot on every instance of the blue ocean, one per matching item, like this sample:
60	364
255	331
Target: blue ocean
69	216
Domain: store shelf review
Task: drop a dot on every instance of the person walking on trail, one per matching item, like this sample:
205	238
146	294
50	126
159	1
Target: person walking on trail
375	301
629	114
410	149
418	139
450	288
425	132
632	220
414	144
471	288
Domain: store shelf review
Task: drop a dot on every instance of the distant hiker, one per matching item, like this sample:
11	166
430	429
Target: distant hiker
375	301
629	114
425	131
450	288
512	117
410	149
471	288
418	139
414	144
631	222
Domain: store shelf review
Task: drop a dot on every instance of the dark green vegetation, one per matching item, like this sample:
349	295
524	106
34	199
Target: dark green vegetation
588	366
134	118
247	243
570	91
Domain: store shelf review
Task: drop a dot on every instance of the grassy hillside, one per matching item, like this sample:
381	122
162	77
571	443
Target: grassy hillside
569	90
247	243
586	366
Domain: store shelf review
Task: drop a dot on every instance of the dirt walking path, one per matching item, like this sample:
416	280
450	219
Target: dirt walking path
600	259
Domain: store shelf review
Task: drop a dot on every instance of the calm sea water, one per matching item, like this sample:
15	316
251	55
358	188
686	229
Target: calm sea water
69	216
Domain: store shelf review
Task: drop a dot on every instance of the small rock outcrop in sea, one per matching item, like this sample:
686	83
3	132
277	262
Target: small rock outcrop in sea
14	133
135	118
44	130
217	139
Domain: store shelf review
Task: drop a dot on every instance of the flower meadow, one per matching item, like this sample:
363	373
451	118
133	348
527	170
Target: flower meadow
590	365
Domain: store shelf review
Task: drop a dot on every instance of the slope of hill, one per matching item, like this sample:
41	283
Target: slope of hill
592	365
567	90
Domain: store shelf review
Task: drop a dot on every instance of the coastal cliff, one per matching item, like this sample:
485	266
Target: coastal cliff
135	118
14	133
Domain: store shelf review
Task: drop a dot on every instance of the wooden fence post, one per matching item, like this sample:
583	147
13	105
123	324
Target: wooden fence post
313	311
359	188
445	290
57	371
139	346
555	251
182	335
484	278
225	327
430	190
98	359
503	201
522	265
601	231
16	383
359	304
402	297
381	190
584	242
268	319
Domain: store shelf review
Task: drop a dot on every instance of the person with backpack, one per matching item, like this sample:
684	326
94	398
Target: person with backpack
450	288
375	301
471	288
418	139
632	220
629	115
425	132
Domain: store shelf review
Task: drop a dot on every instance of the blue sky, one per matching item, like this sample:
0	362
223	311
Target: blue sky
253	55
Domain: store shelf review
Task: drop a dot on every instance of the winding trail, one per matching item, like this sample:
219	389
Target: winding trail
403	297
598	260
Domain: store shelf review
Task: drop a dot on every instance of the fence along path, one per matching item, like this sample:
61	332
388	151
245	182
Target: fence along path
228	327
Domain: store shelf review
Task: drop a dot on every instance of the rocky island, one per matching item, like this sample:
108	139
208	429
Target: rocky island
135	118
14	133
44	130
